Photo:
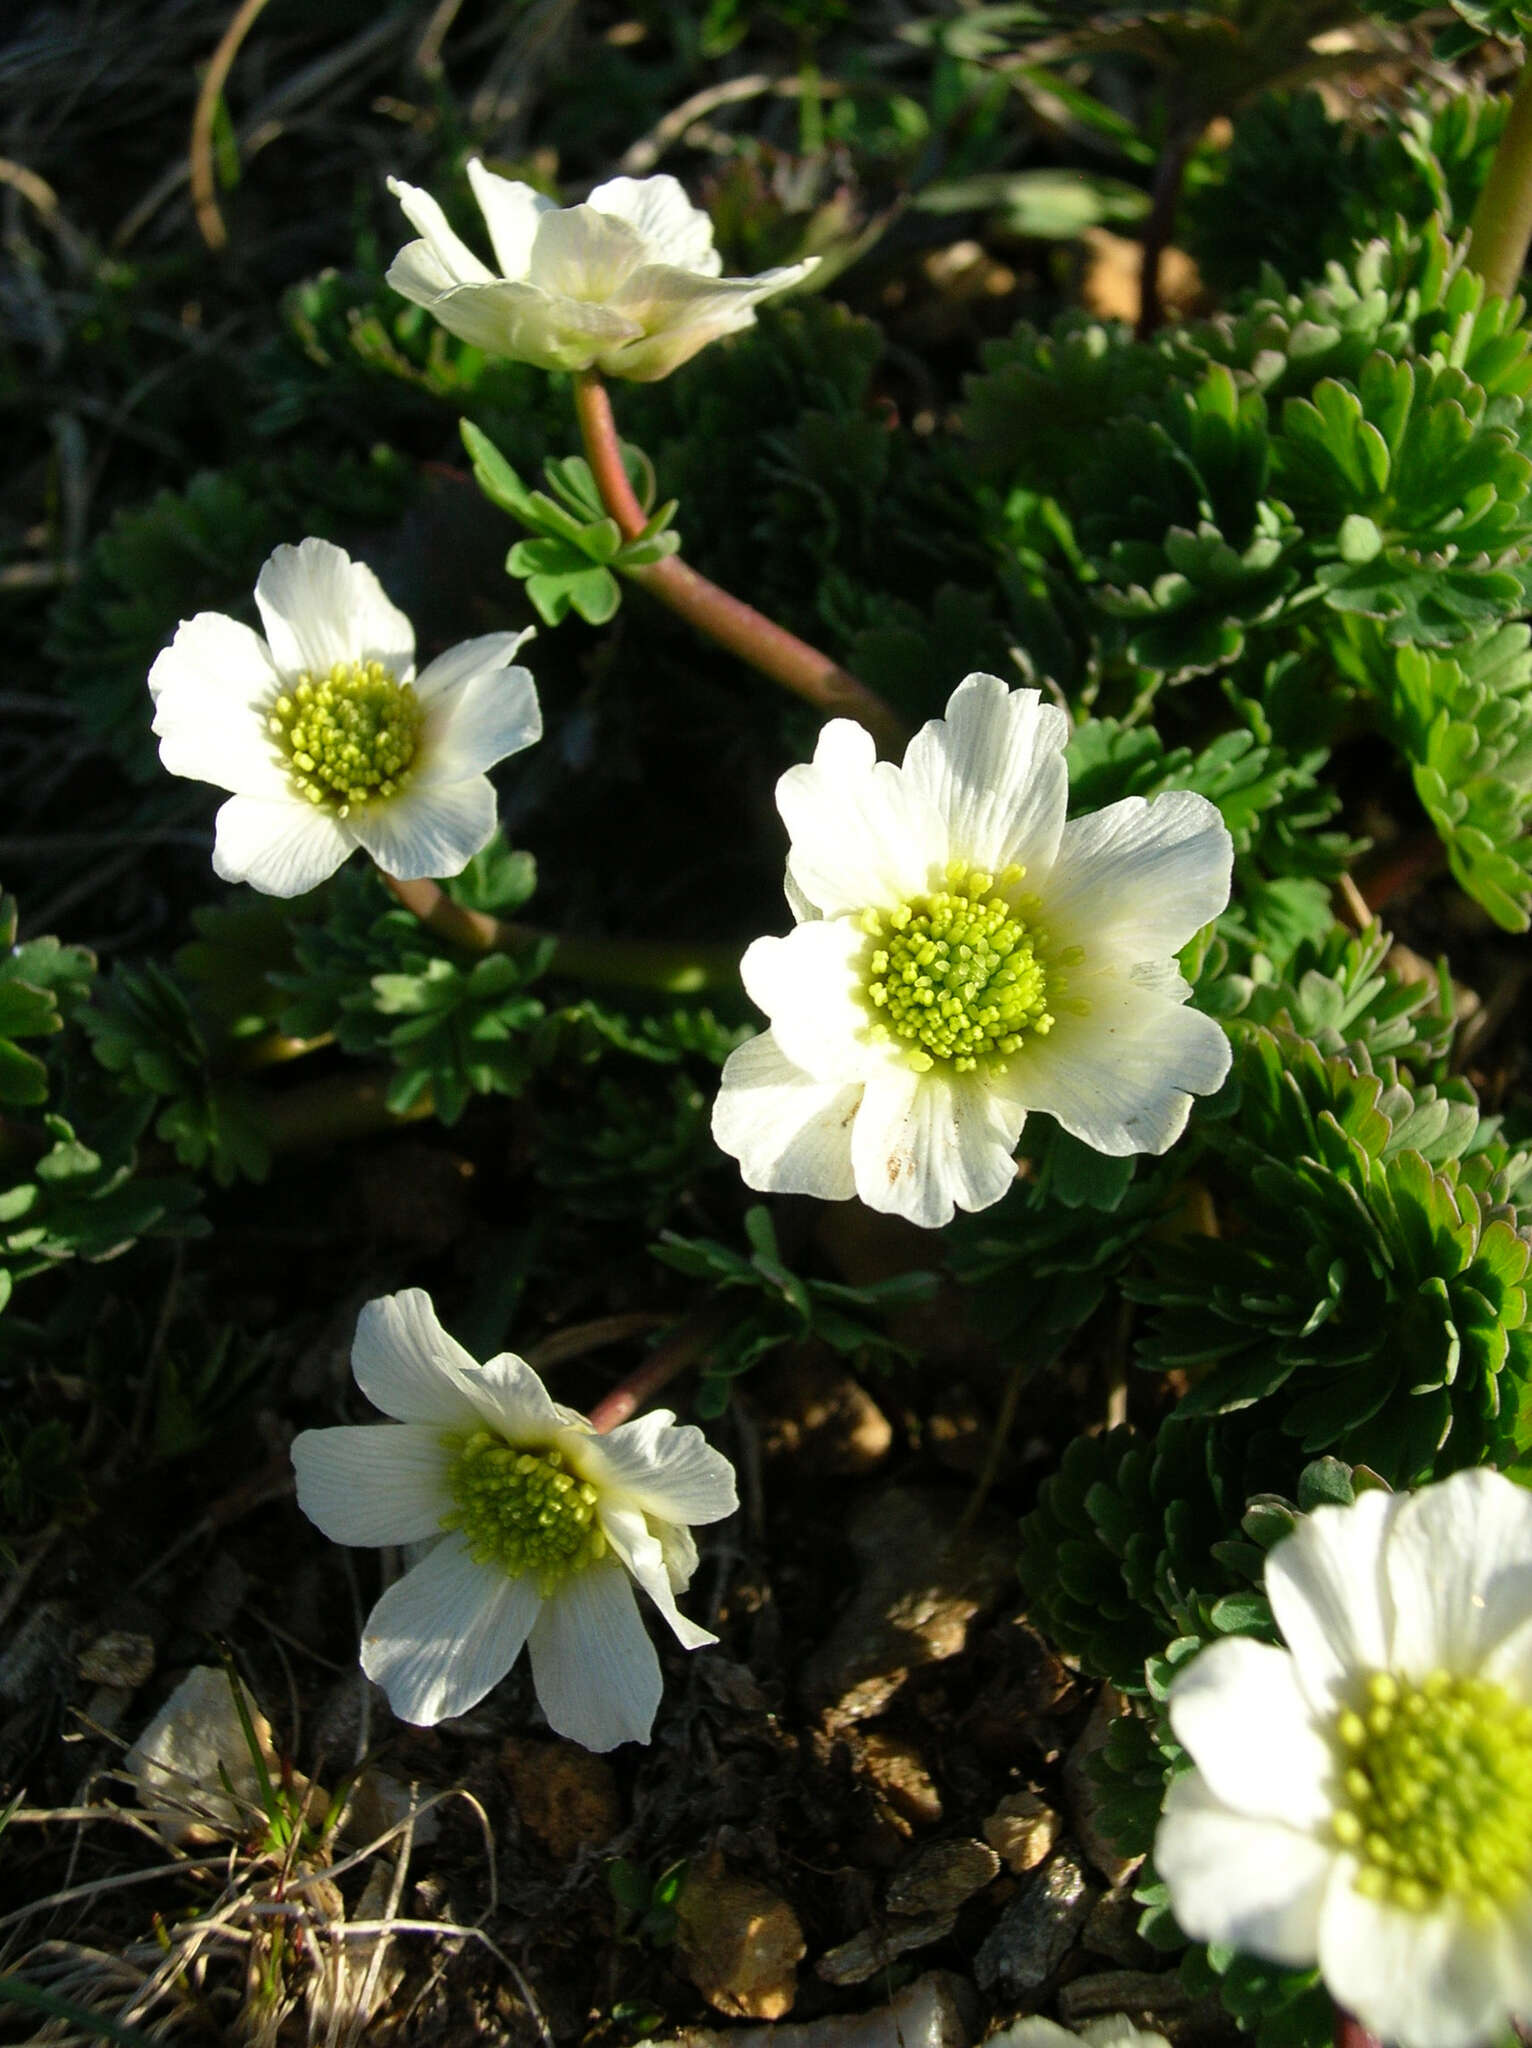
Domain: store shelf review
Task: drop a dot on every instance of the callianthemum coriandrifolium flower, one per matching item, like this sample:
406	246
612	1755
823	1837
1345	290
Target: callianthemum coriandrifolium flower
540	1529
962	957
328	738
1362	1799
627	284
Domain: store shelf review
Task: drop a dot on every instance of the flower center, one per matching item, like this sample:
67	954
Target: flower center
959	976
522	1510
349	736
1437	1791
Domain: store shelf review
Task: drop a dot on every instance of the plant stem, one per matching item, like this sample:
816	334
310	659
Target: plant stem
335	1110
732	623
687	1342
1502	221
1160	224
609	963
1350	2033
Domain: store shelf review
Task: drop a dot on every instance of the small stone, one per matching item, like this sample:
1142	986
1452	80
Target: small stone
379	1801
1141	1994
192	1752
1112	1930
939	2010
922	1580
941	1876
876	1947
738	1942
1037	1929
1084	1800
1023	1830
898	1770
566	1797
117	1658
816	1413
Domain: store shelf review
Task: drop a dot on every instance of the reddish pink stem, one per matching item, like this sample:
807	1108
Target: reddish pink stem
1350	2033
733	624
688	1342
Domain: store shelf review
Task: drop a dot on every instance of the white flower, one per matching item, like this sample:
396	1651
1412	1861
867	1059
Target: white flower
541	1526
628	283
1363	1798
326	735
964	956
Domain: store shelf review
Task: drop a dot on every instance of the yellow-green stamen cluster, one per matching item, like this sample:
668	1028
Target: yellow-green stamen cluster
522	1510
958	976
1437	1791
348	737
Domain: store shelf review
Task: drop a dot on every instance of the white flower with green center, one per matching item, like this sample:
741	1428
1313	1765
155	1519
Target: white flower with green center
328	738
627	284
1363	1798
540	1529
964	956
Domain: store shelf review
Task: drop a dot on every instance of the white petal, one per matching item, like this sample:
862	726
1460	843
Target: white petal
407	1365
580	254
922	1143
993	765
512	1399
379	1482
1254	1883
666	1469
282	846
511	211
450	251
810	985
640	1551
671	228
1420	1980
679	314
212	688
863	836
1122	1077
596	1673
445	1633
429	829
486	654
790	1134
1238	1709
1138	879
477	721
680	1551
319	608
1459	1568
1329	1594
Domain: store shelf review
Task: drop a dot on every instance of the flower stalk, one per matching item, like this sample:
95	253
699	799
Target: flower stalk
675	970
1501	224
687	1343
735	625
1350	2033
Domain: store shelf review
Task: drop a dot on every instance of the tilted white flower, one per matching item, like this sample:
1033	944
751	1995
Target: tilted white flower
542	1529
1363	1798
327	737
627	284
963	956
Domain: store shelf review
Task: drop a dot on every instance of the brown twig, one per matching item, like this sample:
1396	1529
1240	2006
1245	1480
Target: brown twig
609	963
200	154
1160	224
735	625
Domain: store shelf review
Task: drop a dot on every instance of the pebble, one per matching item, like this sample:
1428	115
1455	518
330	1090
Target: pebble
738	1942
898	1770
1037	1929
939	2010
192	1745
1023	1830
941	1876
1140	1993
876	1947
816	1413
1112	1929
117	1658
1084	1800
921	1582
